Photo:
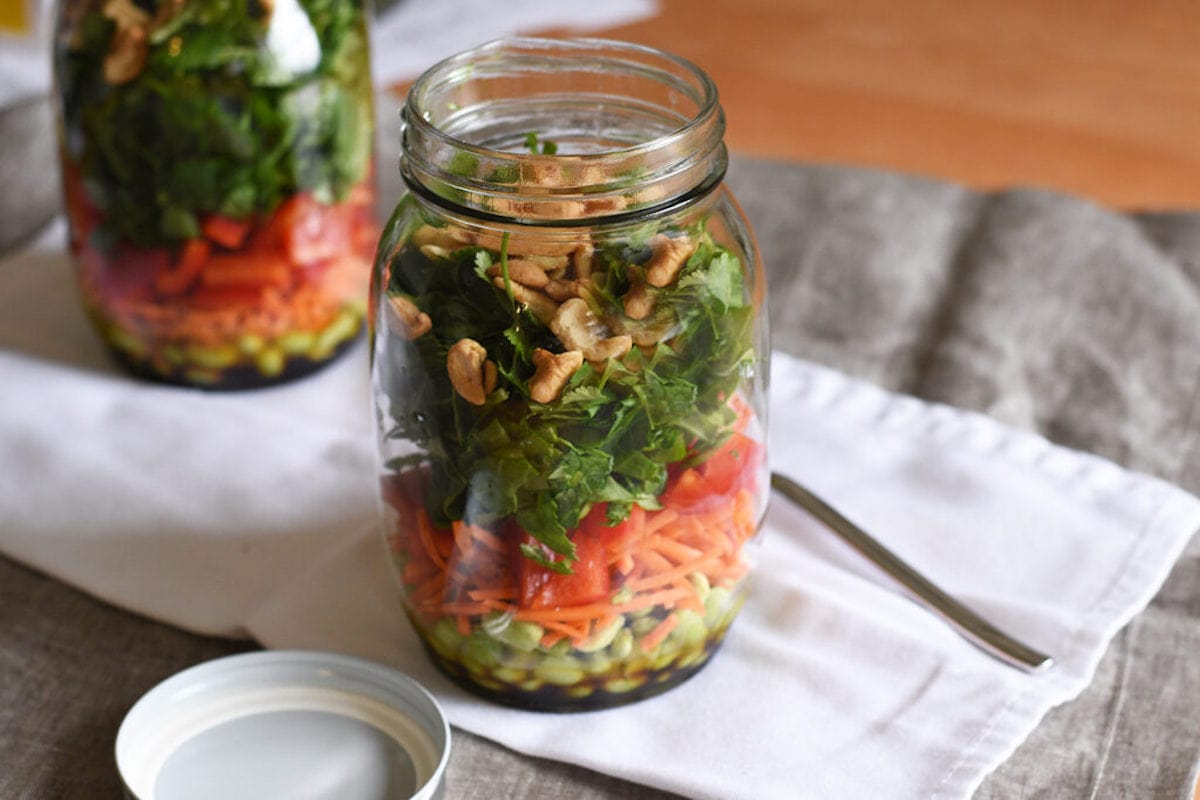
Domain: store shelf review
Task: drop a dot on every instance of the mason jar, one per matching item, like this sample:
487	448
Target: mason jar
569	365
217	172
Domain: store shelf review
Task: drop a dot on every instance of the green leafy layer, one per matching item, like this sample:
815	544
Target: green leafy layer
615	432
213	122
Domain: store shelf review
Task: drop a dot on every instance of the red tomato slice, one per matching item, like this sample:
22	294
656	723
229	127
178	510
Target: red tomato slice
615	538
225	231
588	582
311	231
732	467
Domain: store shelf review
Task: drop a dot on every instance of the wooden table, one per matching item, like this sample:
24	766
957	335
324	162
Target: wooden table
1099	98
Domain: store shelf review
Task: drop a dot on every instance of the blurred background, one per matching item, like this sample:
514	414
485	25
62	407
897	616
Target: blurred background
1098	98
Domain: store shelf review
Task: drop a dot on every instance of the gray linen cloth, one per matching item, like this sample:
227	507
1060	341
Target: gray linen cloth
1048	312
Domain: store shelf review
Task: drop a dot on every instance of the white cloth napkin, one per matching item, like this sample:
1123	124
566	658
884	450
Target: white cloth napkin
255	513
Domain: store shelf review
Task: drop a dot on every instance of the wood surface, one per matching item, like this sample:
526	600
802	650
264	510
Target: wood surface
1098	98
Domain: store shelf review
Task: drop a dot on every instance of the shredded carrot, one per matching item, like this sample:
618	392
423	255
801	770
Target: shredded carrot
233	271
486	538
192	257
551	638
425	534
673	549
497	593
667	598
430	589
665	577
465	571
462	538
660	631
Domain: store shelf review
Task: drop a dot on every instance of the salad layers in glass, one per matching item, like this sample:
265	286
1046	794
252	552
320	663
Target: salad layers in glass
218	179
569	373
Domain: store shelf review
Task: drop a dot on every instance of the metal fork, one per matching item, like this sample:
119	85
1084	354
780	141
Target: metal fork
970	625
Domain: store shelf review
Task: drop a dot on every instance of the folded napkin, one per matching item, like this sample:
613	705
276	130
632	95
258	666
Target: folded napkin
255	513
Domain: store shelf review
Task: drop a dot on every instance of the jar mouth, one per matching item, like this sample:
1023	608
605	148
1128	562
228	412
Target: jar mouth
553	130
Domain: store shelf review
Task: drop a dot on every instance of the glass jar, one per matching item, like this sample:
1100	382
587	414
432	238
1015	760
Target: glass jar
569	373
217	172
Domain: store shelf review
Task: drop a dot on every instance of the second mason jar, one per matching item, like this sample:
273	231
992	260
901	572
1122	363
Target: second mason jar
569	372
217	171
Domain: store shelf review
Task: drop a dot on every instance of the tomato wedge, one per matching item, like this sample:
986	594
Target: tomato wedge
541	587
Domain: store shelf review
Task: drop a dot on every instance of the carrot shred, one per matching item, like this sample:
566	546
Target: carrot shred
660	631
486	538
234	271
665	577
192	258
551	638
430	589
496	593
672	549
425	534
462	537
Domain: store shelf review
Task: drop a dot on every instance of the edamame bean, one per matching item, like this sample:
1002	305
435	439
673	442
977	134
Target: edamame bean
622	644
216	357
622	685
690	630
716	605
524	636
296	343
270	361
559	671
509	674
603	637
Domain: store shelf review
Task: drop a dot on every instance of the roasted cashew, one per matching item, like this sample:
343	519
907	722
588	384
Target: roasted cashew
447	238
471	373
669	255
406	320
581	260
553	372
578	329
525	245
524	272
562	290
129	47
539	304
638	301
612	347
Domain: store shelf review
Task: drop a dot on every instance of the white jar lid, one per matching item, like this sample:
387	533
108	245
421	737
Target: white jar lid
285	724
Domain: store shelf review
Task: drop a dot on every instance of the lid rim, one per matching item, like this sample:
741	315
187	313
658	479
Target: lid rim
328	674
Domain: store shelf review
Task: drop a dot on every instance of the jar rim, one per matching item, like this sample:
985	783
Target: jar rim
709	101
679	149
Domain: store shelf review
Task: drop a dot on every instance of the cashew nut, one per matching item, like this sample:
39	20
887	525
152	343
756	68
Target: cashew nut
539	304
561	290
526	273
447	238
525	245
612	347
578	329
638	301
129	48
581	259
669	255
126	14
552	373
576	326
471	373
406	320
